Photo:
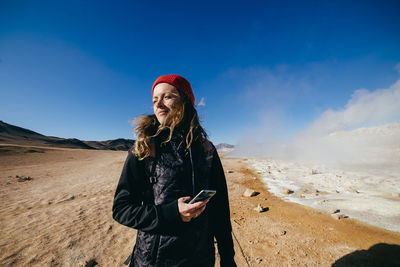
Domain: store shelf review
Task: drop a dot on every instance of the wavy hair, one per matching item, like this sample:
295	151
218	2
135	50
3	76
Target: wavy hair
183	116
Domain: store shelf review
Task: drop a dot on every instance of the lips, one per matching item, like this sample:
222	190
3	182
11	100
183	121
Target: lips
162	112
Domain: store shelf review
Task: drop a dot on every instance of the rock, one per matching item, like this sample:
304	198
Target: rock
230	171
314	172
258	260
260	208
287	191
22	179
338	216
333	211
91	263
283	232
250	193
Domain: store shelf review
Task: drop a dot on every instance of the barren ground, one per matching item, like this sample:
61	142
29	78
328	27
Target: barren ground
55	210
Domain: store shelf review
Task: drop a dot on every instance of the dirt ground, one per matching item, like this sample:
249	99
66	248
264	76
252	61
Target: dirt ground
55	210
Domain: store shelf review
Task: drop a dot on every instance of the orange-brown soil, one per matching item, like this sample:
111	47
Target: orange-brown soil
55	210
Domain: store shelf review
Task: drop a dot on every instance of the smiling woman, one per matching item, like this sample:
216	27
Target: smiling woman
171	162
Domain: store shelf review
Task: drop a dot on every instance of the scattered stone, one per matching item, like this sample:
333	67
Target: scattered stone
283	232
110	228
333	211
337	191
22	179
260	208
91	263
338	216
287	191
314	172
250	193
71	244
354	191
258	260
230	171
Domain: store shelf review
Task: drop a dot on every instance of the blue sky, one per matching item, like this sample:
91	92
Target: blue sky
83	69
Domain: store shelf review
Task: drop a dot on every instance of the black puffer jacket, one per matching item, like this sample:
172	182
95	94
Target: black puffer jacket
146	199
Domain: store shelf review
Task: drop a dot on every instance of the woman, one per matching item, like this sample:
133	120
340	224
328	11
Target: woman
171	162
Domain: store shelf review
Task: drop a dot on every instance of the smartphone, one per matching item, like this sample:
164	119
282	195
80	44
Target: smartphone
203	195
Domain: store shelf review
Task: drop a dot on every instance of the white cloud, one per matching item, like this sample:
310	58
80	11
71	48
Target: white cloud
336	137
364	108
202	103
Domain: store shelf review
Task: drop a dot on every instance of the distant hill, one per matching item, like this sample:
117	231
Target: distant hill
10	134
224	147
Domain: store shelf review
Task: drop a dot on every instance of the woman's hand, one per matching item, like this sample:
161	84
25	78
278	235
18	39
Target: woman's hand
190	211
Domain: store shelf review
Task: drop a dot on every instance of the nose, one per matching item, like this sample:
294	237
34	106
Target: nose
160	103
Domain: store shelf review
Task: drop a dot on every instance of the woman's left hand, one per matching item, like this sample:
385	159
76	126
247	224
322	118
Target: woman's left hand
190	211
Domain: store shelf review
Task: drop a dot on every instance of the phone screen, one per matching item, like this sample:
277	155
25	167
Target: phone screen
203	195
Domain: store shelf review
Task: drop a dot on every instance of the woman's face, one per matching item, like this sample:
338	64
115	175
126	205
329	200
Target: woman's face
165	99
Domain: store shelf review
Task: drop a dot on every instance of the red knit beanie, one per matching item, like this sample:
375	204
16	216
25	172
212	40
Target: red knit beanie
179	82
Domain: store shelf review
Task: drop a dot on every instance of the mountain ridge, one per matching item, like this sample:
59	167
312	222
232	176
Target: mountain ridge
11	134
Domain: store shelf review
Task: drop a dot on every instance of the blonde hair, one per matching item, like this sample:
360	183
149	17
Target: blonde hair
184	116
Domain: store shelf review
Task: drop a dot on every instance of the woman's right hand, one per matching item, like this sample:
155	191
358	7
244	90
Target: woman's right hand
190	211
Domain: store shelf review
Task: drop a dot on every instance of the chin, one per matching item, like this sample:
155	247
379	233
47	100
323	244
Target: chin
161	120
